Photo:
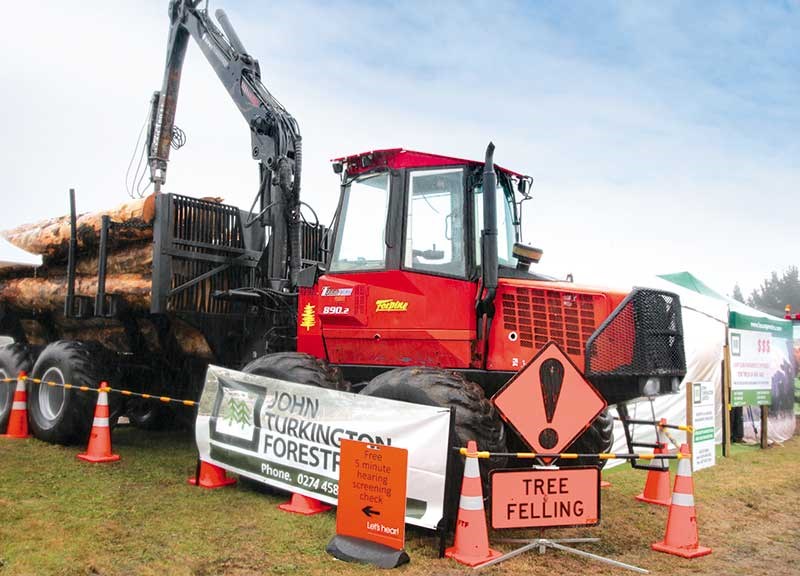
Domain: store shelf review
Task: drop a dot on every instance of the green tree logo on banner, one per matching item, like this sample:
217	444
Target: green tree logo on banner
238	412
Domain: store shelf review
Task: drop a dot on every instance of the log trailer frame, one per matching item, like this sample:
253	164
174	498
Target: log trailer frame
431	302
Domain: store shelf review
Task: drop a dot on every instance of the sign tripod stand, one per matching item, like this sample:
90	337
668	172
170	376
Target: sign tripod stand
557	544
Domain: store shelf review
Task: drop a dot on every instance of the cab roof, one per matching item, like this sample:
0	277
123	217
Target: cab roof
397	158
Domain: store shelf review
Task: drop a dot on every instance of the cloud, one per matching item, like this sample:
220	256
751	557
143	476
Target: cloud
660	136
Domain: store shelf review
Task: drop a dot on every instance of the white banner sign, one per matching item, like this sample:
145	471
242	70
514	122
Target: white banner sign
751	372
703	424
288	435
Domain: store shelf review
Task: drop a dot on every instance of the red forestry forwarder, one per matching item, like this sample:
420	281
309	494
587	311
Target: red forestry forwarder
423	291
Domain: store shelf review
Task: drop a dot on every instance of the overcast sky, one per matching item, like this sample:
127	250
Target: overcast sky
661	136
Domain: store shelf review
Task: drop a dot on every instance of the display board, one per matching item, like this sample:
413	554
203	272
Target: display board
289	435
751	349
701	408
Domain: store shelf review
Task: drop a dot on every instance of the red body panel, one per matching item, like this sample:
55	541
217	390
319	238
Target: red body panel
392	318
401	318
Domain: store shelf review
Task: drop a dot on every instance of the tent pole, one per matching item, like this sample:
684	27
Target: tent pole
690	415
726	398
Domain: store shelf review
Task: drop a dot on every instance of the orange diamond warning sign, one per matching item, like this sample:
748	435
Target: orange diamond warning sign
549	402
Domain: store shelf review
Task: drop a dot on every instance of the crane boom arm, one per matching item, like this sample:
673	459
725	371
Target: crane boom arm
275	135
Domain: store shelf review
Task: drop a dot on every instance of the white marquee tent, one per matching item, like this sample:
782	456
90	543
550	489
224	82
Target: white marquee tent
705	315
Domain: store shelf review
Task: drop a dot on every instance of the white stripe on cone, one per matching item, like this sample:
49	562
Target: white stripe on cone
684	468
20	386
103	399
100	422
471	503
18	406
686	500
471	469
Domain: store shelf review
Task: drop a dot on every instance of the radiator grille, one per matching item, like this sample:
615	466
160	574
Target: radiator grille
539	316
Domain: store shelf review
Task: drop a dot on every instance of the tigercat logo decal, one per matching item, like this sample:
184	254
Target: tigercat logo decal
390	305
308	319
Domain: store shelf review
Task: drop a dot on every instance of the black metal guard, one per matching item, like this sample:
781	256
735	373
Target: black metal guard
201	248
102	262
638	350
69	309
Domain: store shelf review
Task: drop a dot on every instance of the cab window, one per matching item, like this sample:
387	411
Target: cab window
435	222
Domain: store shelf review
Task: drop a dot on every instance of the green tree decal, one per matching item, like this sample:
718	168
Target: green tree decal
238	412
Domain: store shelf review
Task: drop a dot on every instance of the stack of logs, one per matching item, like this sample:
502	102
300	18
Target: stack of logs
129	258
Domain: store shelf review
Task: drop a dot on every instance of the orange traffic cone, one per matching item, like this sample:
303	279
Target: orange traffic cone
211	476
99	449
471	546
681	537
18	419
305	505
656	488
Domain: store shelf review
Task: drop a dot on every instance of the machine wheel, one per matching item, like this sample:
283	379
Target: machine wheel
599	437
13	359
59	415
298	367
476	417
149	414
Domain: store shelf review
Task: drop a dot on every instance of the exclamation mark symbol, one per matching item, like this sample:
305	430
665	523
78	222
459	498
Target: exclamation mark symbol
551	375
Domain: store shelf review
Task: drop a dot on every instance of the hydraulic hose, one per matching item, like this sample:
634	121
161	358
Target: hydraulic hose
294	212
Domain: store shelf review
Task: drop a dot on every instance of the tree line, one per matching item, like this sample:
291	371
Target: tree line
774	293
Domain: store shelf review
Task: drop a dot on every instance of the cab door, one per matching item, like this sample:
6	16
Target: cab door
421	310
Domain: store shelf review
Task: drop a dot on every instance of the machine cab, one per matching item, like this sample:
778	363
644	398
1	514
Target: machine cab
403	273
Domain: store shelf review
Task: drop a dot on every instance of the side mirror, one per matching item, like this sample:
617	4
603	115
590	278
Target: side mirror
526	255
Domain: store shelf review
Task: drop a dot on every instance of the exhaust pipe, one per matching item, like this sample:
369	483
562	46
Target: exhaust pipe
485	303
489	232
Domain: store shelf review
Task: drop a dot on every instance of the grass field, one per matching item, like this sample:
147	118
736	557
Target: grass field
138	516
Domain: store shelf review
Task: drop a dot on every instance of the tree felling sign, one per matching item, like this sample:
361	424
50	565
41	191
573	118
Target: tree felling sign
548	402
289	435
545	498
372	493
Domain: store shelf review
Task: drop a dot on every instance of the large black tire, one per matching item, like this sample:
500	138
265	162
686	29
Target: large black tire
476	417
599	437
59	415
294	367
149	414
298	367
14	358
